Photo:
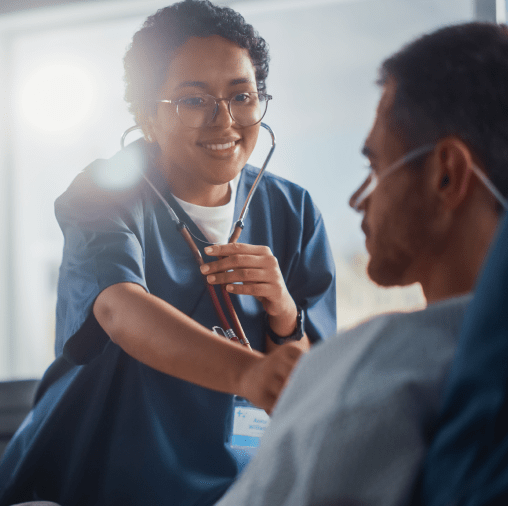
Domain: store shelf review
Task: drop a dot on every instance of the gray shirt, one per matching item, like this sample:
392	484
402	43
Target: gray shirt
356	418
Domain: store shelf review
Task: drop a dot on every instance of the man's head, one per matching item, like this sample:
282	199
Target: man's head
445	104
455	82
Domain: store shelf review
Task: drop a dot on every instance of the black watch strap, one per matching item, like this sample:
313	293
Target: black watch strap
295	336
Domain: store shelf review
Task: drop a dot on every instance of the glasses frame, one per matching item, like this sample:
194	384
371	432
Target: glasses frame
412	155
266	98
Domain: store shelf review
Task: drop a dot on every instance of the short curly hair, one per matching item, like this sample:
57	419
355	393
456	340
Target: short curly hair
151	49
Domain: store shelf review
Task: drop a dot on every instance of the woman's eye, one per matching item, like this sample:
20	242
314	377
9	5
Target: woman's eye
242	97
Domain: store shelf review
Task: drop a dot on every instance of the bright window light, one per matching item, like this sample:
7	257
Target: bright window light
57	97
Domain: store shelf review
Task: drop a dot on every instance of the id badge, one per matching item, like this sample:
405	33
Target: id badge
248	424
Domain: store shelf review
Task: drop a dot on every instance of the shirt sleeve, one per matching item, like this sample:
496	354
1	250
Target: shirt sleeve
102	247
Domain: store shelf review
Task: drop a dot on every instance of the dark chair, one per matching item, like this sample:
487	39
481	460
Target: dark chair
467	464
16	398
37	503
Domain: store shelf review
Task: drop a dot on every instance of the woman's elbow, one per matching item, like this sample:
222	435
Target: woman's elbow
109	307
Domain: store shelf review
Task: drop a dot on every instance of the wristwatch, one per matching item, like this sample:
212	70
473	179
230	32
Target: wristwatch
295	336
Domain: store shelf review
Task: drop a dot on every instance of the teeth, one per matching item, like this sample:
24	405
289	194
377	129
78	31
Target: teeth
216	147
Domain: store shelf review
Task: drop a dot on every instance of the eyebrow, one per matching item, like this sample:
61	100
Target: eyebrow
203	85
241	80
191	84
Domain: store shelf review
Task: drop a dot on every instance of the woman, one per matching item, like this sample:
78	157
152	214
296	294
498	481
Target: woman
137	407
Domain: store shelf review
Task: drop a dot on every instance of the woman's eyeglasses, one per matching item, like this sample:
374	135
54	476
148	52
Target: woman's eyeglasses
199	110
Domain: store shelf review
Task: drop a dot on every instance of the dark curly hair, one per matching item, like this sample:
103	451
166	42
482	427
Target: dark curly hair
454	81
148	56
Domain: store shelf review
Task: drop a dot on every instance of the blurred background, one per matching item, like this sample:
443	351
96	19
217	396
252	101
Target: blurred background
61	103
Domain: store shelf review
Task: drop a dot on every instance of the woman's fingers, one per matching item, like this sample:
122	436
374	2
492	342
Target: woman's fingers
240	261
245	264
241	276
247	269
237	248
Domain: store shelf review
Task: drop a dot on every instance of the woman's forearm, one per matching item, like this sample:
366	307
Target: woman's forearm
162	337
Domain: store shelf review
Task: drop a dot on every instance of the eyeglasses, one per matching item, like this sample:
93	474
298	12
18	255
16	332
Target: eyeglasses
373	180
199	110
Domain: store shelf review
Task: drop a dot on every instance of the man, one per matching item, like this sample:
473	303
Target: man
355	421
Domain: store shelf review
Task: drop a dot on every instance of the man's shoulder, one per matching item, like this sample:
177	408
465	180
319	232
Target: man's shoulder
387	344
446	315
384	360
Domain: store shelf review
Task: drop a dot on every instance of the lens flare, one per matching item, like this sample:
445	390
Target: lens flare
121	172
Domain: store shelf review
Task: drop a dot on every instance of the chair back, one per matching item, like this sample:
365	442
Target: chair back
16	398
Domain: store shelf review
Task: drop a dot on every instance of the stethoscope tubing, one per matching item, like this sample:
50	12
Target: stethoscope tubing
234	333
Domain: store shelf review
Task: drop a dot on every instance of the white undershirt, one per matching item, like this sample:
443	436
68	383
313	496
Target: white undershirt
215	222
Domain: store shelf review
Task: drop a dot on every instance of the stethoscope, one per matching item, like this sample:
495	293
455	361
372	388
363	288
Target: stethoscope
235	331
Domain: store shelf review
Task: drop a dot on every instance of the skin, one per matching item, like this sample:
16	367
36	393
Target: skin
158	335
198	175
418	229
151	330
258	271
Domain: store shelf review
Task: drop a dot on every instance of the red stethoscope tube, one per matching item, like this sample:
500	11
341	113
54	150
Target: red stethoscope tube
234	332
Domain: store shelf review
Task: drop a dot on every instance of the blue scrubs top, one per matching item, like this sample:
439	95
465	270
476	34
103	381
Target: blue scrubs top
107	429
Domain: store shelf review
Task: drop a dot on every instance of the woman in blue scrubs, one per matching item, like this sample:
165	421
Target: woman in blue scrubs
136	409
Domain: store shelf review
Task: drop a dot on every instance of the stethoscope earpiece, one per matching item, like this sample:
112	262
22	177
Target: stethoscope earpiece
126	133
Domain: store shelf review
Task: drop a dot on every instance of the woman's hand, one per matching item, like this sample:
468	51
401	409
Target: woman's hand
160	336
263	382
257	269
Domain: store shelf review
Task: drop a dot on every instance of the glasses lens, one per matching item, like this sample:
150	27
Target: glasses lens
247	109
196	111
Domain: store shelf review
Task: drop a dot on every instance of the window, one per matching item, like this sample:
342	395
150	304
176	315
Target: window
63	101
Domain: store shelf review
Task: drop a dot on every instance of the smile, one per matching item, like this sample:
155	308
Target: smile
218	147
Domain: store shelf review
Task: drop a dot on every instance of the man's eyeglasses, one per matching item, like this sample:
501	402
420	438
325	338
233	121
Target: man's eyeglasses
199	110
373	180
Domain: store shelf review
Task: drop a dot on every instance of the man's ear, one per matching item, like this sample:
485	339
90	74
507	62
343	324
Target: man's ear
452	174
